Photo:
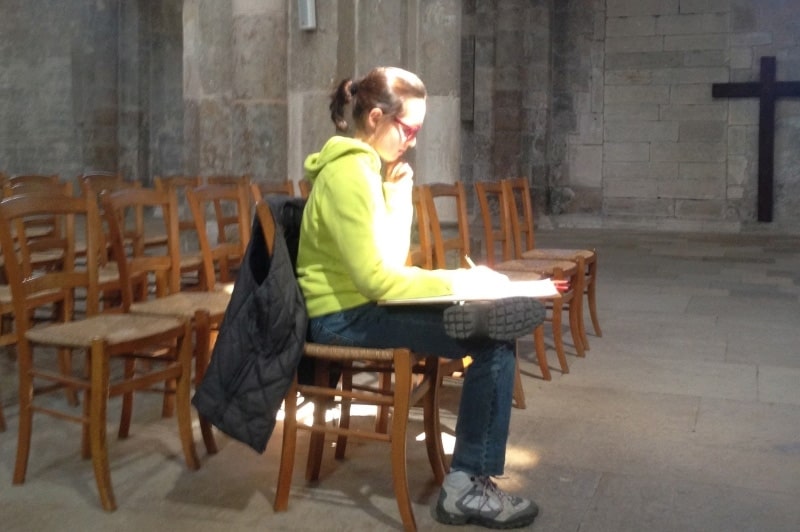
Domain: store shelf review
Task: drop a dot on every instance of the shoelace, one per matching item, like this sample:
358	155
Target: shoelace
489	488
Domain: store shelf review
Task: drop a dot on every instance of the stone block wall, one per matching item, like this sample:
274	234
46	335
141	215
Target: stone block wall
671	156
91	86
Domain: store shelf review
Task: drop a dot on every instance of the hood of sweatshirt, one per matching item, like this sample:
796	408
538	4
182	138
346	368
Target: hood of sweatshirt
337	147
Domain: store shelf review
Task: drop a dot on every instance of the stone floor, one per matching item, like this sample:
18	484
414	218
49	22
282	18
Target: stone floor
684	416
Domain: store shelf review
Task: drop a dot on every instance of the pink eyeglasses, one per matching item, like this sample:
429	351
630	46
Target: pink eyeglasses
409	132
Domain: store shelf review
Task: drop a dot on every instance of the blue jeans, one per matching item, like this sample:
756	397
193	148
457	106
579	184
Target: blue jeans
485	409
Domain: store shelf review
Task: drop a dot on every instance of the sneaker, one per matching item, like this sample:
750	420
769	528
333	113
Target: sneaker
500	319
477	500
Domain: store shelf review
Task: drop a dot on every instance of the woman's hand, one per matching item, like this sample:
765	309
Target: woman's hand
398	170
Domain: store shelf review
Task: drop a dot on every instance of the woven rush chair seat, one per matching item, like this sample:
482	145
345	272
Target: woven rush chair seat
408	389
184	304
116	329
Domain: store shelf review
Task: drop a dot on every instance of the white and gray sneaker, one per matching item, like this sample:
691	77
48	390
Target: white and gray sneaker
466	499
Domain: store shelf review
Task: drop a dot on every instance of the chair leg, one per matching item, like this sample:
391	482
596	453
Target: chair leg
65	366
316	444
574	325
202	352
64	311
288	449
558	340
431	422
382	419
25	424
576	321
541	352
402	403
127	401
183	389
86	451
519	392
97	424
344	415
591	294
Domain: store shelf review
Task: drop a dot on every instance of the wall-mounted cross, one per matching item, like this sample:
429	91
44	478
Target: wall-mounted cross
767	90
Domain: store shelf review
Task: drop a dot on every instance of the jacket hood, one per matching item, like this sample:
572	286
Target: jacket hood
336	148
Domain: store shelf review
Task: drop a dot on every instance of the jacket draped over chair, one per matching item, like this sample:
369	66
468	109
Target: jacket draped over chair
261	339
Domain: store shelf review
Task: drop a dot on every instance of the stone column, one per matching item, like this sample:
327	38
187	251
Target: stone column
235	87
434	52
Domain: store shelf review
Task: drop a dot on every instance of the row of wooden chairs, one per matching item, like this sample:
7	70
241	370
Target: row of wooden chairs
107	236
507	218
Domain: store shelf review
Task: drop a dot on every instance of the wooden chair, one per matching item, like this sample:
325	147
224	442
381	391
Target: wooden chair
518	192
515	195
231	207
407	391
191	257
451	251
42	254
204	309
105	338
260	189
495	216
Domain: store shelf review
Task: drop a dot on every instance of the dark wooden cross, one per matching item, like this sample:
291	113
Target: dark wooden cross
767	90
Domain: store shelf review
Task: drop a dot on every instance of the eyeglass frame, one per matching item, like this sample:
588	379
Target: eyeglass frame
409	132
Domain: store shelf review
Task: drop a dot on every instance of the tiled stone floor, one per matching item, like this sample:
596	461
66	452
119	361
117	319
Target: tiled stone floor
684	416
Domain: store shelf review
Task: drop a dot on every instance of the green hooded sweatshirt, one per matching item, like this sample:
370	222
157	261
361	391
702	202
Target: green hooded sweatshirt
356	233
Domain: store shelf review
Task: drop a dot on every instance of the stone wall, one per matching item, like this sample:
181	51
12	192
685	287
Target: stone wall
90	86
672	157
605	105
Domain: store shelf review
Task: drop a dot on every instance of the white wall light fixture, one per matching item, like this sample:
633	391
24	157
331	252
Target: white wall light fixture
307	14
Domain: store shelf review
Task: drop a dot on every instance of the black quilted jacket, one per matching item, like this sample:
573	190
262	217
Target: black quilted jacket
261	338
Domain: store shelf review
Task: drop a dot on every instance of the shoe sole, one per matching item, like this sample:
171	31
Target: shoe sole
500	319
460	519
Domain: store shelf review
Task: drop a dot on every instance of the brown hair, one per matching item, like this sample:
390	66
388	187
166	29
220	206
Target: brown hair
383	87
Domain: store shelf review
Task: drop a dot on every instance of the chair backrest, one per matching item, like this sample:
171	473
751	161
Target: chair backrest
447	199
180	185
93	183
226	245
305	188
32	179
228	217
260	189
517	194
267	224
421	252
39	226
243	179
495	218
129	251
33	285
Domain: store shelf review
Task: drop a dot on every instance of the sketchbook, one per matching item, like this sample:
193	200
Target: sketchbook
534	289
